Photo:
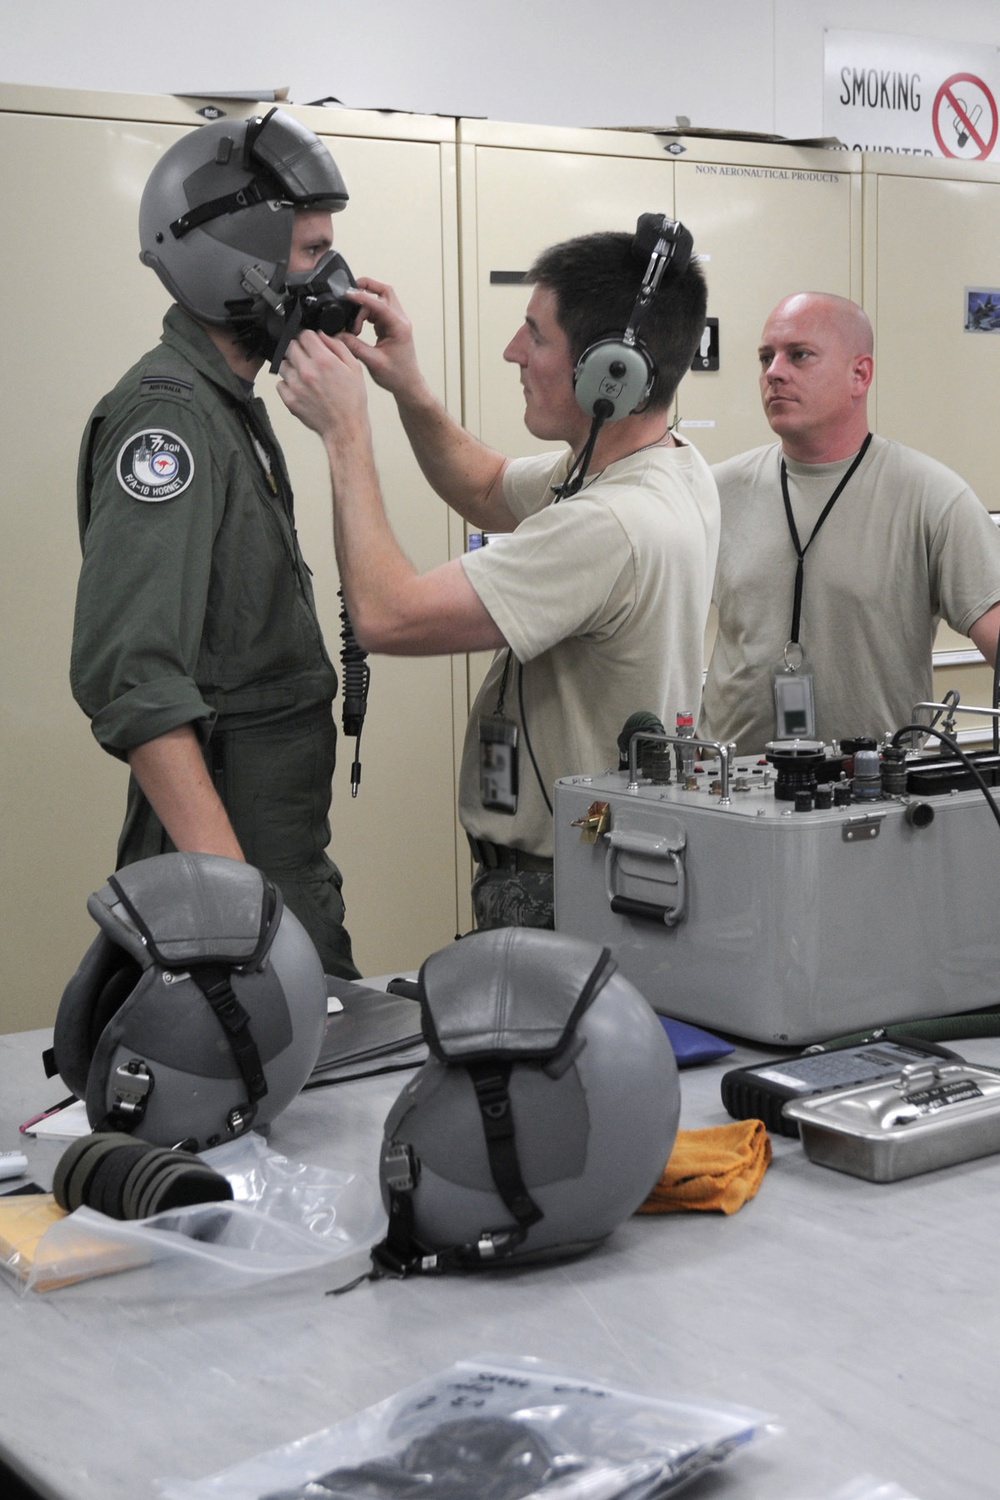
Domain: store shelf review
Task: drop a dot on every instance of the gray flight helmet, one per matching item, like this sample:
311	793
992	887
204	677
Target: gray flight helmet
199	1009
543	1116
217	212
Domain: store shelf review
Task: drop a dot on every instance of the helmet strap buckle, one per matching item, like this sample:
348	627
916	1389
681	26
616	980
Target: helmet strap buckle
133	1085
256	283
240	1118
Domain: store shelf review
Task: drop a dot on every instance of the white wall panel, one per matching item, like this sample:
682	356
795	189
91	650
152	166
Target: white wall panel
732	64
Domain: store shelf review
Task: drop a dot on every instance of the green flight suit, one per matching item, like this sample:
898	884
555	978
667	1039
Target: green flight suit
195	607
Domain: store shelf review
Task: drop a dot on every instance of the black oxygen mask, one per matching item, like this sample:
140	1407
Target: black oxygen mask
318	299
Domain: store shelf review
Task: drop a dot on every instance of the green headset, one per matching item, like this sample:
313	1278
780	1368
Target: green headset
614	376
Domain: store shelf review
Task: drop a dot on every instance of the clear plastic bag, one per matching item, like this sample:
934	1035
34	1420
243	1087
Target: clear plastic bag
497	1428
865	1487
285	1217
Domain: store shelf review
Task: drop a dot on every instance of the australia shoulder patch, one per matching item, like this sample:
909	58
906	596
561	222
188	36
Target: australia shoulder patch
155	465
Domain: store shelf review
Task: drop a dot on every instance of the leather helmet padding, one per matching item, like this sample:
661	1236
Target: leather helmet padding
501	996
102	983
191	909
120	984
300	163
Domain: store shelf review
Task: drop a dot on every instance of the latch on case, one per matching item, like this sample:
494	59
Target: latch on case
594	824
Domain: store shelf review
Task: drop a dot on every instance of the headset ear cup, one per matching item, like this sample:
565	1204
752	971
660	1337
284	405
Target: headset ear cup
614	374
163	1179
78	1164
141	1188
105	1190
65	1166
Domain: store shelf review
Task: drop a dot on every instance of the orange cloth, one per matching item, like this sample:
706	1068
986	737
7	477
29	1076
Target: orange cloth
718	1167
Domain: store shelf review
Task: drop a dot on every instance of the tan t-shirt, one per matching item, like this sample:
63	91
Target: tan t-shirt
603	598
906	544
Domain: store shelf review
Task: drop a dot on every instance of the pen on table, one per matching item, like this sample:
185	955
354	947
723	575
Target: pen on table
63	1104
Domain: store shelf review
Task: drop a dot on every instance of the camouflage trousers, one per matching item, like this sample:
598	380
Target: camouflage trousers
513	898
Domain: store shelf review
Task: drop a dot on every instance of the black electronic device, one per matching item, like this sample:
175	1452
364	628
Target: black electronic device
760	1092
614	376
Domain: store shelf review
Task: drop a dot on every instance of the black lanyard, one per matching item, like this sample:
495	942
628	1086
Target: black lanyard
800	551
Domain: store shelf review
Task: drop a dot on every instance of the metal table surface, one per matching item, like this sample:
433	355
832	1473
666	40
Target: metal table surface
864	1317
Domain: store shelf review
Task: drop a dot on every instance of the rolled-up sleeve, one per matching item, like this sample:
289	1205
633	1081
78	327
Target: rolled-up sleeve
144	585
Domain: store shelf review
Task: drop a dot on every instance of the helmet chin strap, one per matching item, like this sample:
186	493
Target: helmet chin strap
400	1254
293	324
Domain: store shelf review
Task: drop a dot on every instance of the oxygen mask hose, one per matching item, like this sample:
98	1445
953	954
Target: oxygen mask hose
356	676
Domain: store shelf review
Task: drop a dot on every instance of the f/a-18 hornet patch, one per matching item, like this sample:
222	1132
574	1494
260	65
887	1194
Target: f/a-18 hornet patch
155	466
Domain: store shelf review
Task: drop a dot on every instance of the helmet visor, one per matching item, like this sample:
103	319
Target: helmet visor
306	171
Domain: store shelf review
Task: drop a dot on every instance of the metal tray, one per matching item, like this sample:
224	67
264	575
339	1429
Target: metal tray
932	1115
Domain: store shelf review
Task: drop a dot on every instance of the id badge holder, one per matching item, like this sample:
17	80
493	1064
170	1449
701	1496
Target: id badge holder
498	765
794	700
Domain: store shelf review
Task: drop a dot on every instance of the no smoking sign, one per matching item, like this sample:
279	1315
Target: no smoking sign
965	118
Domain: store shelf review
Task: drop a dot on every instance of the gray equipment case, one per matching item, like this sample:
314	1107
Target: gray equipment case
779	926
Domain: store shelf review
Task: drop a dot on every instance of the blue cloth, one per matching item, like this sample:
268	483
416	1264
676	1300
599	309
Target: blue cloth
692	1045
